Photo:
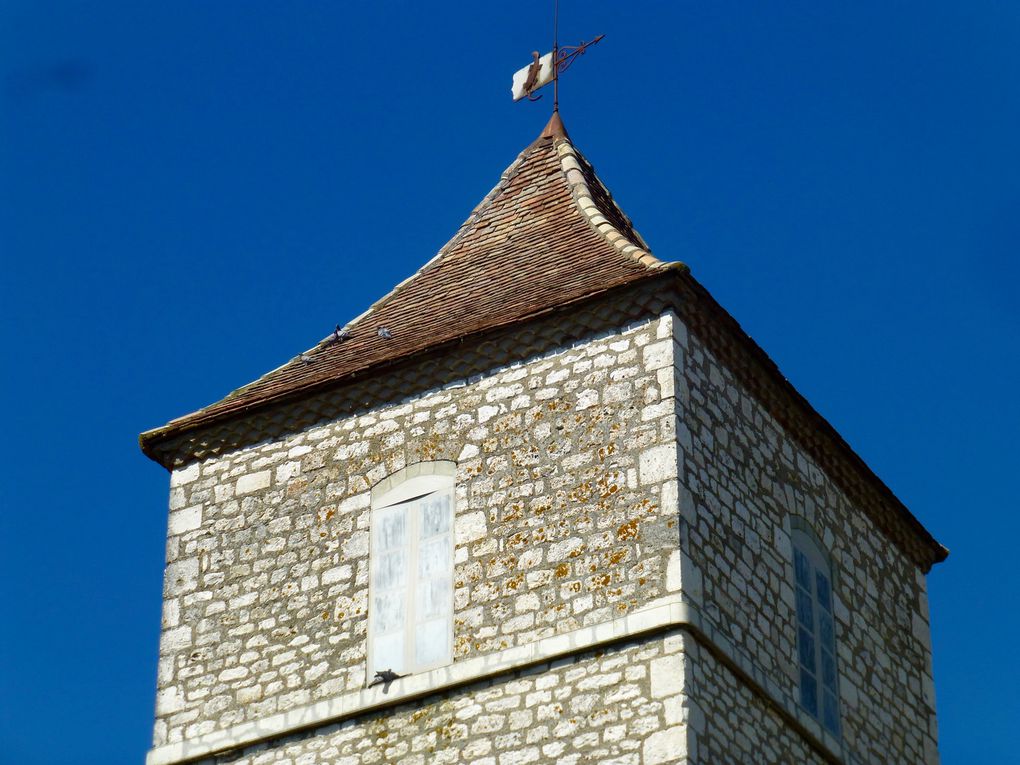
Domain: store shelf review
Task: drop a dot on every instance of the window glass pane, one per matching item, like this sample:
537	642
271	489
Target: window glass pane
389	570
434	557
432	641
388	653
390	527
435	598
824	594
808	692
828	670
388	611
806	642
434	515
805	610
389	566
803	568
825	630
830	713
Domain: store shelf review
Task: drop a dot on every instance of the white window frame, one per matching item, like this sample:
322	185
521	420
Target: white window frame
810	598
414	482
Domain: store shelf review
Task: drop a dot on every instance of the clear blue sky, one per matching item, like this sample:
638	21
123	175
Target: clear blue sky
193	192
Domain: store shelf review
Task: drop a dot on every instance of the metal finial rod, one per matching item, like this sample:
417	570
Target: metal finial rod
556	56
548	68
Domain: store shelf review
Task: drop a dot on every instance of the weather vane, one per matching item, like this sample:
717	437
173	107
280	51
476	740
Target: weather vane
545	69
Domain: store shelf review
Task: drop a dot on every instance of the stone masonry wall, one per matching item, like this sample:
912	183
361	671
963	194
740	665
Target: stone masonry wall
742	478
731	724
620	706
566	512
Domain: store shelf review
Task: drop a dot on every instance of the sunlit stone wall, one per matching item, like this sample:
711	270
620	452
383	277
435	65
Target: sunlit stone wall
566	516
614	707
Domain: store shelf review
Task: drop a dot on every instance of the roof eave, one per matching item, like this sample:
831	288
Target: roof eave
938	552
149	440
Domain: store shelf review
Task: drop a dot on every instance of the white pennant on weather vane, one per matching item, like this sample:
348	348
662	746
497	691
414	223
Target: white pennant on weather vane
545	69
536	74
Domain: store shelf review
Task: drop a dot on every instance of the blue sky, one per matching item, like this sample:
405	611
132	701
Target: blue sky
193	192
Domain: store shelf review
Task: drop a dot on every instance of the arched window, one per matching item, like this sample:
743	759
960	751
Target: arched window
816	629
411	584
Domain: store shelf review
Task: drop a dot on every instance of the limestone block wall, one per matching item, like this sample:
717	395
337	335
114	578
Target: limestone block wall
621	706
566	514
742	478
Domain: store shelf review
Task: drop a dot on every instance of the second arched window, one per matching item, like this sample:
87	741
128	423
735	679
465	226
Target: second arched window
816	630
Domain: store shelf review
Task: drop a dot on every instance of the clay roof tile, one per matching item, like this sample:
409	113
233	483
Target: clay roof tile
547	234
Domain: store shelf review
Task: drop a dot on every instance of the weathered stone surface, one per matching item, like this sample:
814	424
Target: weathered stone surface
663	746
250	482
181	576
589	482
186	519
667	676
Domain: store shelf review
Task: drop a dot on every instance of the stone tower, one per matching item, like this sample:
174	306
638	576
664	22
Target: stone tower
551	486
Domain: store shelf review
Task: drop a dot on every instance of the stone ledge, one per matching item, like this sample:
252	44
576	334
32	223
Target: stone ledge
661	615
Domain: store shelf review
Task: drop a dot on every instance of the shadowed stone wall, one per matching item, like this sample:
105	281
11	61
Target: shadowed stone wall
742	481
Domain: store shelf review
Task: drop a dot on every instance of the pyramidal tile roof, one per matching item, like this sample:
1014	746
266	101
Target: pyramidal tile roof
548	234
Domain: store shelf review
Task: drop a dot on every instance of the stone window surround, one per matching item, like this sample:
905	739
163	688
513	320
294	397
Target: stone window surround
430	476
801	525
415	480
665	615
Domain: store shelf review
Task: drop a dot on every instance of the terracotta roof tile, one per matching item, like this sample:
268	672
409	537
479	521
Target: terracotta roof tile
547	234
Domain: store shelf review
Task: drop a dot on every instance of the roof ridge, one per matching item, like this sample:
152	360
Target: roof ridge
574	165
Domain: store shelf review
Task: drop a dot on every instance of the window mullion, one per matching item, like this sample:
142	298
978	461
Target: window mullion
816	603
411	589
